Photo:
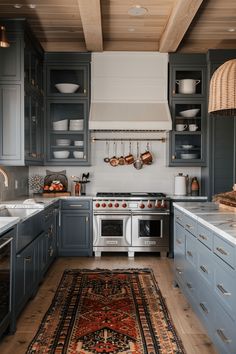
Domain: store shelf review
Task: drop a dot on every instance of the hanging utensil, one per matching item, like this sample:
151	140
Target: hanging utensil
107	158
121	158
114	161
129	159
138	163
146	157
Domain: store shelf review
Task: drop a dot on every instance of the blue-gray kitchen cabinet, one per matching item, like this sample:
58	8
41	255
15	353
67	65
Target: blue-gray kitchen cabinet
75	228
205	270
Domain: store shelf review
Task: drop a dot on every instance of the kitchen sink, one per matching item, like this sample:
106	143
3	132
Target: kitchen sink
17	212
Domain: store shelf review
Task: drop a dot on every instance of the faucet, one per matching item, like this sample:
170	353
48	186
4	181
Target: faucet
5	177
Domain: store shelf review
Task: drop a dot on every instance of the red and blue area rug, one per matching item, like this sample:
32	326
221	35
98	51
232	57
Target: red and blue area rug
107	311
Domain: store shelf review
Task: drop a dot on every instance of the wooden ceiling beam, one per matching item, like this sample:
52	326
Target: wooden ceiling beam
90	13
179	21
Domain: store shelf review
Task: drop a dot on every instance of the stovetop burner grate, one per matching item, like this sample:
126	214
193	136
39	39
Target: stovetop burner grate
132	194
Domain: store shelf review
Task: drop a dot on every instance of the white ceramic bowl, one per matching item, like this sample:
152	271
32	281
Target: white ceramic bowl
61	154
76	125
189	113
187	146
60	124
188	156
78	143
63	142
66	87
78	154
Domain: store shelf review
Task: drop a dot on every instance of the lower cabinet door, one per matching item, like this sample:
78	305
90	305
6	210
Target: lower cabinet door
75	238
26	278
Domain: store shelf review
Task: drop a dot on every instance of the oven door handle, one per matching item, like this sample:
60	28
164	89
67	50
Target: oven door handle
149	213
112	213
4	242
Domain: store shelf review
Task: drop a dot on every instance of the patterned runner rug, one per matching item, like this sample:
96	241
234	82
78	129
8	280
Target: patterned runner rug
107	311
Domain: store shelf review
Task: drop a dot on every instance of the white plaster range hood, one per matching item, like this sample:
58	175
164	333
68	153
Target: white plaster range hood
129	91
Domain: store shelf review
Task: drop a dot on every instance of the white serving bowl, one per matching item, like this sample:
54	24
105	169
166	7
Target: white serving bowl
78	154
76	125
60	124
188	156
66	87
187	146
61	154
189	113
63	142
78	143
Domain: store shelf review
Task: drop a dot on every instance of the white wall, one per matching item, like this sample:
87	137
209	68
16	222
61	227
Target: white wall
153	178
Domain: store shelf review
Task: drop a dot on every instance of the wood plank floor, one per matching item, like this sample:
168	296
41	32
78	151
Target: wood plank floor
188	326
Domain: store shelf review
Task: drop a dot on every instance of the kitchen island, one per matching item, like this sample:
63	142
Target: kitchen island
205	267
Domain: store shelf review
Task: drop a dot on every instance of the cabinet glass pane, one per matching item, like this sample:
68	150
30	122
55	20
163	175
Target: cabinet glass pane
188	147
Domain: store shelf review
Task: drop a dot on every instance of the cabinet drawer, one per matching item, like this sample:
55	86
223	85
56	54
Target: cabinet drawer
190	224
224	332
75	204
179	245
224	250
191	250
206	305
225	288
205	236
179	217
205	265
191	283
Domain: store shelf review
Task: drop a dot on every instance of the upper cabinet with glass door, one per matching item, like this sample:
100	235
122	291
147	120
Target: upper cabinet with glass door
187	98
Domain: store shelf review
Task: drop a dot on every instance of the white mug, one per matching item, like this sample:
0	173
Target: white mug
181	127
192	127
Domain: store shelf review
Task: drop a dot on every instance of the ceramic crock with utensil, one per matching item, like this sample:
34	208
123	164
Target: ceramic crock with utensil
187	86
138	163
147	156
114	161
129	159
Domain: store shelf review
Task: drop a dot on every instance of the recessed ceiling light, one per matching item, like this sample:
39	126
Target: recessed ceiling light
137	10
231	29
32	6
17	6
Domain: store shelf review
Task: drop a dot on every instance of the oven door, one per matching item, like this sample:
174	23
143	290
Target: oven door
112	229
150	230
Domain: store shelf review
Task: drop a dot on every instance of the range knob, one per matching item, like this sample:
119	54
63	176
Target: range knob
104	205
124	205
116	205
158	204
163	204
141	205
97	205
110	205
149	204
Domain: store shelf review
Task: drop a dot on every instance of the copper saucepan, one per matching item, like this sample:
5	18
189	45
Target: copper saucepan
121	158
129	159
114	161
146	157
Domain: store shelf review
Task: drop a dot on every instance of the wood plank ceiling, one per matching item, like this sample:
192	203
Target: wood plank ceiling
97	25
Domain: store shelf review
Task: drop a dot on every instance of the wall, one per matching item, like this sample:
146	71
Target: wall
14	173
103	177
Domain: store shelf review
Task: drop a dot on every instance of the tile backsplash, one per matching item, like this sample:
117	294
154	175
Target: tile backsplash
19	174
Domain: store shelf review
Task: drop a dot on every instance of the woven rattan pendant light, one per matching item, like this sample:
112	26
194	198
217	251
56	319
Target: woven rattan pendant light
3	38
222	95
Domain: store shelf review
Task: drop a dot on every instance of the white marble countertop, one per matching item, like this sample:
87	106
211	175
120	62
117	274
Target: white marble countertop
7	222
221	221
186	197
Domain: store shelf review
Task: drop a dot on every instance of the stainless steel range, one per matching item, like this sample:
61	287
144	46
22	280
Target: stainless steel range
131	222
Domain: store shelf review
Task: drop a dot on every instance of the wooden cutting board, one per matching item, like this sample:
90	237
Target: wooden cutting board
55	195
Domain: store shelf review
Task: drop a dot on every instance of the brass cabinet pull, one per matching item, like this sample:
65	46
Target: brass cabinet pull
85	90
203	307
189	285
223	336
178	270
203	269
189	226
178	218
87	219
189	253
222	290
76	205
203	237
222	251
178	241
28	259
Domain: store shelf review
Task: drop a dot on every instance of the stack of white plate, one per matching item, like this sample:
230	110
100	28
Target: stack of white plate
78	154
61	154
63	142
76	124
78	143
60	124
